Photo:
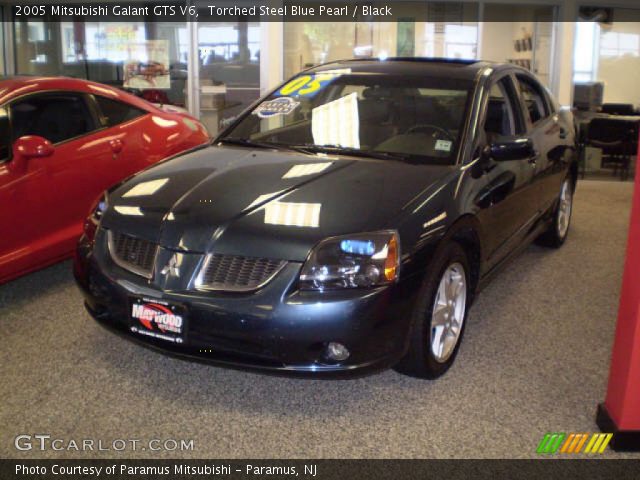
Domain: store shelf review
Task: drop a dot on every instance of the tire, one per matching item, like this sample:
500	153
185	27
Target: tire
422	359
558	230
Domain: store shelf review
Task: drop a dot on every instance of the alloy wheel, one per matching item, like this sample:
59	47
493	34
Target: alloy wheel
564	209
448	312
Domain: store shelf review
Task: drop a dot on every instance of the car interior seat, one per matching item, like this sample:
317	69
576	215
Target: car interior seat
56	120
497	122
374	111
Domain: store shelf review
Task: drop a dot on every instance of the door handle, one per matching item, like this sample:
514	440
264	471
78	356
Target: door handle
116	145
533	158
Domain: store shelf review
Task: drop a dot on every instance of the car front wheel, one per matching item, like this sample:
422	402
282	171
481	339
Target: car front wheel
439	315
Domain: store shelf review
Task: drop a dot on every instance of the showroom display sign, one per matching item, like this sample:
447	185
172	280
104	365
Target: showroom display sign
147	65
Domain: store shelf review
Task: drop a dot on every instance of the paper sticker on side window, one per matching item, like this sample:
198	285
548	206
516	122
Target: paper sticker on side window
277	106
310	84
443	145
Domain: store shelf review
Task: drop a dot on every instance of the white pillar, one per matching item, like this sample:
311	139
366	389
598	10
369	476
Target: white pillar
562	84
193	71
271	55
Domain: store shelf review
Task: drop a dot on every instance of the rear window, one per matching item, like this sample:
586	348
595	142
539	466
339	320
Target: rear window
114	112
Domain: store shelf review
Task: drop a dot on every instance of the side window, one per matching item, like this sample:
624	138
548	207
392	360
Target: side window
502	118
534	99
54	116
115	112
5	135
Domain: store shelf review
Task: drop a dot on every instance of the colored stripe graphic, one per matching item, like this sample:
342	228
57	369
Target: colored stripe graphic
550	443
598	442
573	443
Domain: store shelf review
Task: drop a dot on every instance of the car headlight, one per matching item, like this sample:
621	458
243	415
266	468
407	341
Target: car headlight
352	261
92	222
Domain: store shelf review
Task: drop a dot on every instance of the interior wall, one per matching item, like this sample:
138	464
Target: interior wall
621	75
498	37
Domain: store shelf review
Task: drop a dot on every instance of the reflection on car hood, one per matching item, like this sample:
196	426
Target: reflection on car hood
275	204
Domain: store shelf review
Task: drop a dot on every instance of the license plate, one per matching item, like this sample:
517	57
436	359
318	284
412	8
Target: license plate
158	319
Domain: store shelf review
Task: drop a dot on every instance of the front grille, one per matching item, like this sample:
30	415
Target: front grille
133	254
237	273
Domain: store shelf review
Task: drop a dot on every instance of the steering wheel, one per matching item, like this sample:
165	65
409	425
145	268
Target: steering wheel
429	127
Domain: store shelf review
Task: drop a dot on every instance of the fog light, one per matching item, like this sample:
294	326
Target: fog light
337	352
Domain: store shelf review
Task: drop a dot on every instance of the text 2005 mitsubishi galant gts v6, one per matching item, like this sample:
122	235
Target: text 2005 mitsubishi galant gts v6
341	225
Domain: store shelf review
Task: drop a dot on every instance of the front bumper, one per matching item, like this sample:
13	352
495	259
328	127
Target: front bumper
276	329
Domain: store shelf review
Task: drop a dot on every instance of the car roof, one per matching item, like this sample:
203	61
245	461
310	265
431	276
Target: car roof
15	86
434	67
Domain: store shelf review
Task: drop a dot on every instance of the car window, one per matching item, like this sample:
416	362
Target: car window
5	135
502	116
115	112
534	99
54	116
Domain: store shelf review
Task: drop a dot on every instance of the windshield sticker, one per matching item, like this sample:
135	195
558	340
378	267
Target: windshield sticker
308	85
278	106
443	145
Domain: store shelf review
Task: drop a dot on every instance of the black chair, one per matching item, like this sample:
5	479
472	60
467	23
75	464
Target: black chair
583	141
618	109
618	140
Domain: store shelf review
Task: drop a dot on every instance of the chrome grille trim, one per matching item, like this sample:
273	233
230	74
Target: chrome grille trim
143	253
236	273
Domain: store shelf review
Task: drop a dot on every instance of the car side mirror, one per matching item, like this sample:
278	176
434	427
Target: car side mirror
512	150
30	146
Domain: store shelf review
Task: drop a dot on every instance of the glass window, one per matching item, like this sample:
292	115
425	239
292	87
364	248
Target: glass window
56	117
414	117
534	99
229	56
115	112
609	53
143	57
617	44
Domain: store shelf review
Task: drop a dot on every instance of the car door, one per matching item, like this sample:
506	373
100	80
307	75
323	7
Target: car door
505	202
126	131
51	195
546	133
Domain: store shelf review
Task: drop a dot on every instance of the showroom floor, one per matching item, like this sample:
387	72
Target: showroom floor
534	359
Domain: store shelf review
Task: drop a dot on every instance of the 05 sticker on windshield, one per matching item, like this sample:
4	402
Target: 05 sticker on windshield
308	85
277	106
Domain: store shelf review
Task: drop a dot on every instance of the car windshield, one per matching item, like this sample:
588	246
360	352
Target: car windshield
367	114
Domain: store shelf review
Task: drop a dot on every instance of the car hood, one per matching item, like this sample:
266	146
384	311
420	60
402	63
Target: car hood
275	204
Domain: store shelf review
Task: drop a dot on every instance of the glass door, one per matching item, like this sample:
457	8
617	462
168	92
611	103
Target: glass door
228	56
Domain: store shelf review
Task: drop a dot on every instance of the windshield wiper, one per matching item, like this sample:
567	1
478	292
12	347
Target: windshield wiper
270	145
243	142
310	148
354	152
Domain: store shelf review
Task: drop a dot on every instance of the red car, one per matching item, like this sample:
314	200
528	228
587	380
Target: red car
62	142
